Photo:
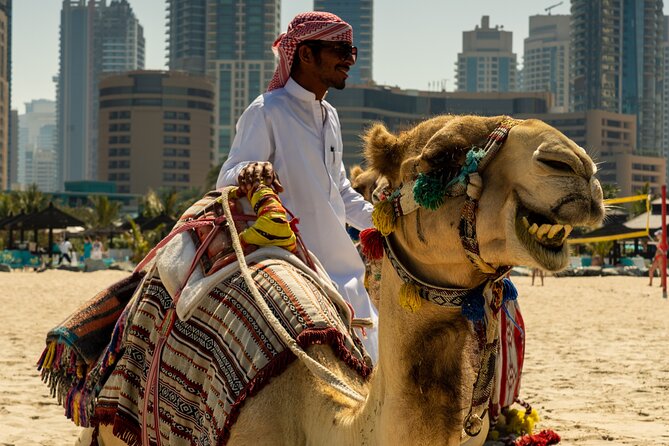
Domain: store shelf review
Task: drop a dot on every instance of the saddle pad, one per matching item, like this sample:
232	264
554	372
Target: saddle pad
224	353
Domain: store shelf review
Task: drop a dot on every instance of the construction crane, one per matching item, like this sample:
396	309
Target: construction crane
548	10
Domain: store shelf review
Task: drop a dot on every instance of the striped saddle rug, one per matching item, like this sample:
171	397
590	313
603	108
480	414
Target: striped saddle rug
224	353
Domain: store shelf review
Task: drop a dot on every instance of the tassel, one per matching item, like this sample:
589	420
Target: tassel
510	291
543	438
473	308
383	217
428	191
409	297
371	241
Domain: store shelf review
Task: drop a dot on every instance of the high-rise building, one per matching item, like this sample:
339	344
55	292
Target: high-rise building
186	35
546	58
5	88
121	39
360	15
235	50
13	149
156	130
95	38
665	91
487	62
616	59
37	157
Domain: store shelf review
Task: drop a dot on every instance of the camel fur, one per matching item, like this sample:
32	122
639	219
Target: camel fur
420	390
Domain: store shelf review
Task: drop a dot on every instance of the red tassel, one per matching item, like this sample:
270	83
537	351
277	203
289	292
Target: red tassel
543	438
372	243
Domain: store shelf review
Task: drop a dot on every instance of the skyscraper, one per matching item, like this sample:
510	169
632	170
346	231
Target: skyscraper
37	128
5	88
235	50
186	35
487	62
616	55
95	38
359	14
546	58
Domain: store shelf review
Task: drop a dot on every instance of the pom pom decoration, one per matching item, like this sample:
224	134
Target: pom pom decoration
428	190
409	297
371	241
543	438
383	217
473	307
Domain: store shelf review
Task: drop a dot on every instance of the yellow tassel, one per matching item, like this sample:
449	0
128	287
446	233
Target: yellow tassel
409	297
383	217
50	354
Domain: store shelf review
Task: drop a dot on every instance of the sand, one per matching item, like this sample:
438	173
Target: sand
596	366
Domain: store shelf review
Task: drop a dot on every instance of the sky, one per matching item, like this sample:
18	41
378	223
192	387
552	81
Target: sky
415	42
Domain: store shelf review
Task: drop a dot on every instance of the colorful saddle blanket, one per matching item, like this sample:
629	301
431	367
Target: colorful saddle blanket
219	349
224	353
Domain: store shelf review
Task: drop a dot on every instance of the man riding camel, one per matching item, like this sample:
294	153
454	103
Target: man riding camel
291	132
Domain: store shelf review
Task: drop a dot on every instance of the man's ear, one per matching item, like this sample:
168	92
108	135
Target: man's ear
305	53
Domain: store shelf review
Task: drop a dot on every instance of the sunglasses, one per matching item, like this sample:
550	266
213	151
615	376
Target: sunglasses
343	50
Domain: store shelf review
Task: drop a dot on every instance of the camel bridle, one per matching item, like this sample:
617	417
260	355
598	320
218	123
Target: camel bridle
491	294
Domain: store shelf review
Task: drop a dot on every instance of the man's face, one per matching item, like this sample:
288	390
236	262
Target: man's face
333	61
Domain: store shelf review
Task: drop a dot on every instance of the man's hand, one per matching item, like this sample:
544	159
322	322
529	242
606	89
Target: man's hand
255	174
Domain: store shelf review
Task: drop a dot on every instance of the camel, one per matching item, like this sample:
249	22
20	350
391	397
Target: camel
529	194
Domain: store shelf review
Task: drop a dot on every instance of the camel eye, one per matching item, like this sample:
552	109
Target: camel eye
557	165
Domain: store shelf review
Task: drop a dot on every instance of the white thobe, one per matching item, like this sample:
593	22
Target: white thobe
301	137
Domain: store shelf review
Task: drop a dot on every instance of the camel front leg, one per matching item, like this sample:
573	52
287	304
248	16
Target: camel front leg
105	437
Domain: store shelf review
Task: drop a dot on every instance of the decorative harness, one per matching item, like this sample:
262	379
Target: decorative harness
480	304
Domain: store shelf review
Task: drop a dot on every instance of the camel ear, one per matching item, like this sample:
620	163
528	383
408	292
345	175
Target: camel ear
381	184
447	148
355	171
382	151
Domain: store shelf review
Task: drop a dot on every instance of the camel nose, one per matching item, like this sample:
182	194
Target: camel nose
596	203
596	189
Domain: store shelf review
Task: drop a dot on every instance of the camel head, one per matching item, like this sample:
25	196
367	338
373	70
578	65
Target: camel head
533	191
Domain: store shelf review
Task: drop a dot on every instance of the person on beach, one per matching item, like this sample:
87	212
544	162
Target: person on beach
291	132
65	248
656	265
96	249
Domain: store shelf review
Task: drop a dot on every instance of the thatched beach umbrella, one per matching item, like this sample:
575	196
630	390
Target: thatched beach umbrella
50	218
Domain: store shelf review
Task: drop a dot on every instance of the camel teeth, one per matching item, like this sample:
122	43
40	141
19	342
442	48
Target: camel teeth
554	230
543	230
525	222
533	229
567	231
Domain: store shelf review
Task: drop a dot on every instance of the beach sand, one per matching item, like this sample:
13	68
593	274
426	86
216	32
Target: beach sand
596	365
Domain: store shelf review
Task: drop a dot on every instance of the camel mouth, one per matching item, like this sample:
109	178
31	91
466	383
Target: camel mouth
544	238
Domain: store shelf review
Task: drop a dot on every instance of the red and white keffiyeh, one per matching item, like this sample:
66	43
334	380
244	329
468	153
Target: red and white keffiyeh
306	26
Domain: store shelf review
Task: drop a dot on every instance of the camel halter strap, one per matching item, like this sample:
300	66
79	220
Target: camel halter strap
480	304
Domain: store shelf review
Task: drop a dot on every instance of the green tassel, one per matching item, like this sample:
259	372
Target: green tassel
410	297
428	191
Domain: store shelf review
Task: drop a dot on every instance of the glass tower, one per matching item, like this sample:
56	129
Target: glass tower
617	62
546	59
359	14
5	91
235	50
95	38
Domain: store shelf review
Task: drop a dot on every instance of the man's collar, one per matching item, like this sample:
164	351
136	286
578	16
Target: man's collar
299	92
